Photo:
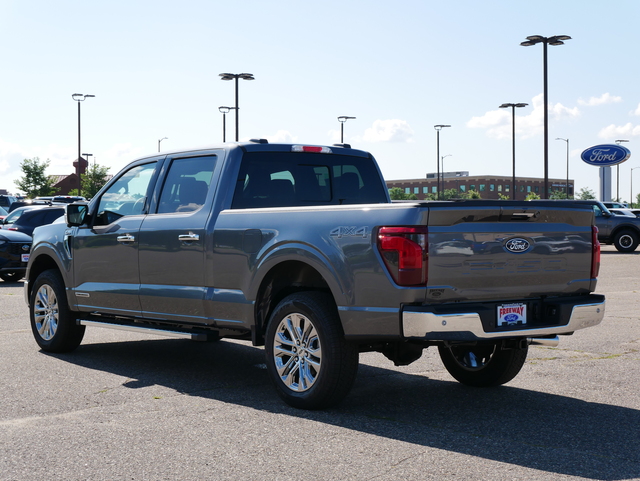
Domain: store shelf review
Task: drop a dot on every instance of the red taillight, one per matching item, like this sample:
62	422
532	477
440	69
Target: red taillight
404	251
595	252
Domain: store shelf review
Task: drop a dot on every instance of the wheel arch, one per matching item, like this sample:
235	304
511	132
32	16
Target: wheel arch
42	262
286	276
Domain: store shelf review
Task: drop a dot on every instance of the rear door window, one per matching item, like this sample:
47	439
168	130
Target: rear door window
280	179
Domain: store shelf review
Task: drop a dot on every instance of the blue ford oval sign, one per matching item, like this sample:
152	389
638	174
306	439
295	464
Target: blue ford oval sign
605	155
517	245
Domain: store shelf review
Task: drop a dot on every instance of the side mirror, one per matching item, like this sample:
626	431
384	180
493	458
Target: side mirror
76	214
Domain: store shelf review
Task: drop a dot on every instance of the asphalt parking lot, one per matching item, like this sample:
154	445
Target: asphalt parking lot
125	406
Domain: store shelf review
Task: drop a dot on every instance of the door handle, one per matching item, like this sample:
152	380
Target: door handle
190	237
125	238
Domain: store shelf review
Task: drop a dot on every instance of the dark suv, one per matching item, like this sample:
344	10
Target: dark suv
25	219
6	201
620	230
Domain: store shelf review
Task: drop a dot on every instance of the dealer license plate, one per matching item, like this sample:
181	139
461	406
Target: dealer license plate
512	314
25	257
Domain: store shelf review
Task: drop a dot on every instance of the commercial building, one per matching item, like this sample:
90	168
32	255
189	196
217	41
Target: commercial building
488	186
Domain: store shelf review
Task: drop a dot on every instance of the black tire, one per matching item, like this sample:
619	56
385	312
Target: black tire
483	365
52	322
11	276
304	335
626	240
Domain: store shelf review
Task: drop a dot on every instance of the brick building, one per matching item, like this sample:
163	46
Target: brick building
66	183
488	186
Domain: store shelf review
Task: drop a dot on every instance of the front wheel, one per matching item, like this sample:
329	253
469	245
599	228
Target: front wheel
52	322
626	241
483	365
308	359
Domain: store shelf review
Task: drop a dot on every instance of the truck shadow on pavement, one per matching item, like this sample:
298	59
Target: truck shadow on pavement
542	431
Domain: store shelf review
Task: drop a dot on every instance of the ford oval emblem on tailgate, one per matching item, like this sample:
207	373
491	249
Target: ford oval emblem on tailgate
517	245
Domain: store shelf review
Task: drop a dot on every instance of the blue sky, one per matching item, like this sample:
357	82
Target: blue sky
398	67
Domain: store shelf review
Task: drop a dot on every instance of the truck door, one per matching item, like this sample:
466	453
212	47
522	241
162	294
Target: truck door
105	253
173	242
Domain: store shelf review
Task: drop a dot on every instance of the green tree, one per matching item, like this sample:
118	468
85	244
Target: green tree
94	179
449	194
557	194
586	194
34	181
532	196
471	194
397	193
503	196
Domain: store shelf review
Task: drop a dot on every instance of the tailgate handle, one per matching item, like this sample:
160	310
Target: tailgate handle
523	215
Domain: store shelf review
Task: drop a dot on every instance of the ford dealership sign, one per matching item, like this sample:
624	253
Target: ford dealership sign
605	155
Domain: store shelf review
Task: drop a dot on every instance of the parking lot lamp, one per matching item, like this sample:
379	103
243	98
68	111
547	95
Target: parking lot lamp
224	111
160	140
555	40
513	139
79	98
236	76
632	169
438	128
567	141
618	142
342	119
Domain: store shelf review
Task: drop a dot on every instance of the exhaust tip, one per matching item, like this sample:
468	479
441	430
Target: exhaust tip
544	341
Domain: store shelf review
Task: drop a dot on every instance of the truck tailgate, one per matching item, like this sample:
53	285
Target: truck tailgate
509	250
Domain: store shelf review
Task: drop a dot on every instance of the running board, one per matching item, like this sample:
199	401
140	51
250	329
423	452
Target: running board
194	336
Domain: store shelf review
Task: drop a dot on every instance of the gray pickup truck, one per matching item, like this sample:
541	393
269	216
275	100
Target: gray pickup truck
298	248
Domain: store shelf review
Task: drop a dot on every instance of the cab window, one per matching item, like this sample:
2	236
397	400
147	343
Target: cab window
126	196
187	184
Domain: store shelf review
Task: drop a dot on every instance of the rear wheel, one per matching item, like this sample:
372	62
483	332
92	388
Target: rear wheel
626	241
11	276
483	365
308	359
52	322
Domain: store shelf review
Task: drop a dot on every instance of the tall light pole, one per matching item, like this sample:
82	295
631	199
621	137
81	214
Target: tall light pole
438	128
442	160
555	40
632	169
567	141
236	76
79	98
342	119
160	140
618	142
513	139
224	111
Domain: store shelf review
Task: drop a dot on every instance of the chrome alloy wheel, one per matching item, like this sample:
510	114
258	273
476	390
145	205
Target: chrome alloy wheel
297	352
473	358
45	312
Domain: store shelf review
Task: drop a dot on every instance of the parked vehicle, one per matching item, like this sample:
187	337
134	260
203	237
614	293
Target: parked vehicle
627	212
616	205
26	219
6	201
14	255
620	230
3	213
298	248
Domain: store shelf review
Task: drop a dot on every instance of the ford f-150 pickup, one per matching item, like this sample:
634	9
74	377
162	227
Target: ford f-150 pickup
298	248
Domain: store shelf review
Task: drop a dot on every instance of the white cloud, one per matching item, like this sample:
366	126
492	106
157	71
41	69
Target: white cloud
392	130
606	98
281	136
616	131
498	122
636	111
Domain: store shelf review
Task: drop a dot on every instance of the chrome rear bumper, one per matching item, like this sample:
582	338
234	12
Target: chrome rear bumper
468	325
